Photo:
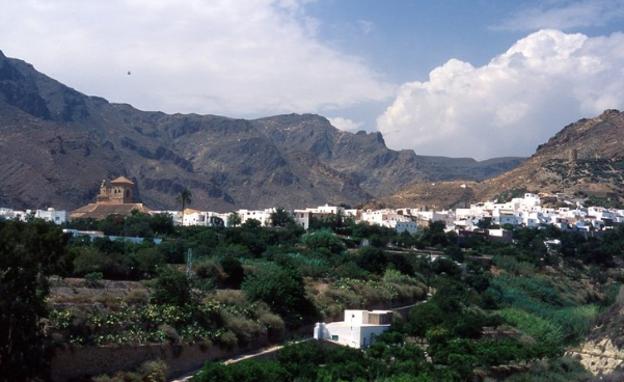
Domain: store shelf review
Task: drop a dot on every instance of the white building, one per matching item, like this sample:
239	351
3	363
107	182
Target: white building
202	218
263	216
302	217
176	216
49	215
358	330
391	219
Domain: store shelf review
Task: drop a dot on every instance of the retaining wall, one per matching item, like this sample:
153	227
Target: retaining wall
77	363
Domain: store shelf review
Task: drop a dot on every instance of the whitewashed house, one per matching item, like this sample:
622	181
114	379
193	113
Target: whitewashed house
390	219
263	216
176	216
302	217
358	330
49	215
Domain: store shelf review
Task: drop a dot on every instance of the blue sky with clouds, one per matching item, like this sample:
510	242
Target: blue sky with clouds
459	78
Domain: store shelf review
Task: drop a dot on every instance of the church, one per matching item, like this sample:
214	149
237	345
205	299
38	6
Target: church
115	197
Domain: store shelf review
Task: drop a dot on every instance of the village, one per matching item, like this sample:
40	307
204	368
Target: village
490	218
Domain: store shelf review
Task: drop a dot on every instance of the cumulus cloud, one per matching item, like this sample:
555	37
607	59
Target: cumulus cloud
565	15
240	58
513	103
345	124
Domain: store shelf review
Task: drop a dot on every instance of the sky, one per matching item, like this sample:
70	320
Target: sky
456	78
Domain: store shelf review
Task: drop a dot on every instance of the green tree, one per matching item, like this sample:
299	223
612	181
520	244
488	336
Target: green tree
281	218
323	239
372	259
172	287
185	198
233	219
234	271
29	252
281	288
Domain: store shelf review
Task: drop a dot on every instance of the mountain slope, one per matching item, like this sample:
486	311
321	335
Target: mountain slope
57	144
584	158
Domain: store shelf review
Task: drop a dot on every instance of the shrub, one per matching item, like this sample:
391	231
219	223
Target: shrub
90	260
323	239
138	296
150	371
230	297
281	289
170	333
94	279
548	334
234	272
227	340
147	262
210	269
244	329
274	324
350	270
372	259
244	371
172	287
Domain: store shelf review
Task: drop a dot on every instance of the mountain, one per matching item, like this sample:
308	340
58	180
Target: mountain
57	144
584	159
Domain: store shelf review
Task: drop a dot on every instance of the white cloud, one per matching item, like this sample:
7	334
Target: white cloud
365	26
345	124
238	58
515	102
565	15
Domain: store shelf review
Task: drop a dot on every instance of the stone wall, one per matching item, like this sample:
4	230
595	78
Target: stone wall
76	363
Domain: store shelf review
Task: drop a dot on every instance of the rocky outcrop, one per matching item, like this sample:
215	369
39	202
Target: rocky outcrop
600	357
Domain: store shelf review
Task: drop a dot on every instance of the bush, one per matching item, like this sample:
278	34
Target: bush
274	324
323	239
244	371
549	335
90	260
227	340
147	262
234	272
210	269
372	259
150	371
281	289
172	287
245	329
94	279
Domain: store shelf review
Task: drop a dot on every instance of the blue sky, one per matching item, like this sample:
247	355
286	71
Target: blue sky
407	39
457	78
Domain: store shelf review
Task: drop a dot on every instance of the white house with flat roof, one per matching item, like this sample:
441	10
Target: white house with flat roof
51	215
358	330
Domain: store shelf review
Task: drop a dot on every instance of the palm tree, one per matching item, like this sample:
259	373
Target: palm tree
185	198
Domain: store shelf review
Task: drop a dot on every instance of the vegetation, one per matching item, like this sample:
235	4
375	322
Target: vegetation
519	314
185	198
28	254
493	303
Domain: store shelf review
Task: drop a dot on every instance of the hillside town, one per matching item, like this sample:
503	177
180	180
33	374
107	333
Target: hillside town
491	218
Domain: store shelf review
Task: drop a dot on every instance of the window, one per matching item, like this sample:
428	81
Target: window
334	337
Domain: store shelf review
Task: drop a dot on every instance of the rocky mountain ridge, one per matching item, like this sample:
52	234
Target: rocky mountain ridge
585	158
57	144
